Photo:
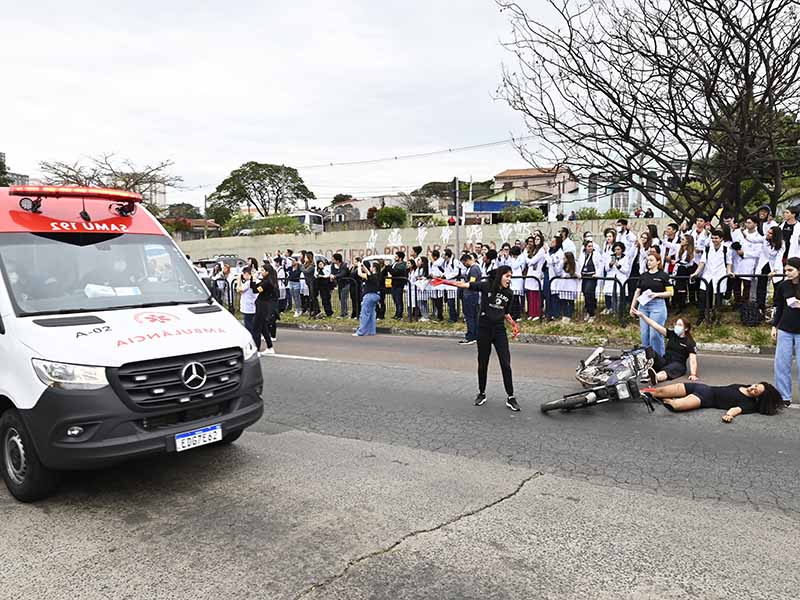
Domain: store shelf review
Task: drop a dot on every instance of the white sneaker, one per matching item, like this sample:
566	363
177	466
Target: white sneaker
267	351
535	319
566	320
424	320
356	335
274	339
296	314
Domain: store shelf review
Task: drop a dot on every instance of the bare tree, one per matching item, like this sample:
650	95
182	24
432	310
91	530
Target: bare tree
416	203
105	171
691	102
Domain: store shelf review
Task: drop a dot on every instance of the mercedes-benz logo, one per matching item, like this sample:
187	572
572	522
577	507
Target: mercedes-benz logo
194	375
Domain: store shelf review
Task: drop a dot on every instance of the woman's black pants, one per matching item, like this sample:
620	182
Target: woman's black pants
488	335
265	316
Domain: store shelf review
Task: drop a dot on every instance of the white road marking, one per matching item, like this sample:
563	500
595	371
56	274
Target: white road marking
311	358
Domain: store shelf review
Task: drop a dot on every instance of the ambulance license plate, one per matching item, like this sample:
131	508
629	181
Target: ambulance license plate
198	437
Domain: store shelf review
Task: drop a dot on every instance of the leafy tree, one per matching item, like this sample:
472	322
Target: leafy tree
612	214
341	198
278	224
391	216
588	213
690	102
5	178
218	212
521	214
269	189
236	223
183	210
106	171
155	209
372	211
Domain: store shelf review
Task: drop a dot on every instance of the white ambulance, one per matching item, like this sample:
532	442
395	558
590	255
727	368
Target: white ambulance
111	345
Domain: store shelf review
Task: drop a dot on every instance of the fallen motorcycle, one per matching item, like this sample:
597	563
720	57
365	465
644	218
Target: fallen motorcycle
607	379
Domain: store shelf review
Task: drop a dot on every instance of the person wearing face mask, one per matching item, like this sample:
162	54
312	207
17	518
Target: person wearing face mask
618	268
680	349
247	303
625	235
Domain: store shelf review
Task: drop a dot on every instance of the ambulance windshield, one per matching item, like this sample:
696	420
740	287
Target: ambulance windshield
59	273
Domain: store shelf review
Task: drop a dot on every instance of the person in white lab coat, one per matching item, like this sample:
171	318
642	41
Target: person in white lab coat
517	265
714	268
625	235
567	245
769	263
701	238
554	261
748	247
569	286
534	256
617	267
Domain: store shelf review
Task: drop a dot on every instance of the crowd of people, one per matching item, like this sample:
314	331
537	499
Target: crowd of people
646	273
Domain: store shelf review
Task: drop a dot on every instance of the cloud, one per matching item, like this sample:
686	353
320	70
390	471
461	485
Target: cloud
211	85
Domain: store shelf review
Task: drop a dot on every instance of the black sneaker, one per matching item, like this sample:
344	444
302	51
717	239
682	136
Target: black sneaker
511	403
480	399
463	342
653	376
787	403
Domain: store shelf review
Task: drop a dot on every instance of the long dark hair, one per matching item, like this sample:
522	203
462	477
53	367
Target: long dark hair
424	265
569	263
794	262
498	276
770	402
272	275
777	238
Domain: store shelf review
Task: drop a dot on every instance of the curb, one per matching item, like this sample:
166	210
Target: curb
538	338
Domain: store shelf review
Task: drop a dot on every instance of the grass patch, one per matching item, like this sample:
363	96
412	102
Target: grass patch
604	329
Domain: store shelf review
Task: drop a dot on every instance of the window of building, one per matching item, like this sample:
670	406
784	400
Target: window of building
619	200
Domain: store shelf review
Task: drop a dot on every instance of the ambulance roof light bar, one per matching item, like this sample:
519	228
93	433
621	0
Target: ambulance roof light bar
58	191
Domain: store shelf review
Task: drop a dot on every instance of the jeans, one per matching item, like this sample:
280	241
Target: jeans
344	295
249	321
471	315
788	345
294	291
452	308
656	309
397	299
368	305
567	307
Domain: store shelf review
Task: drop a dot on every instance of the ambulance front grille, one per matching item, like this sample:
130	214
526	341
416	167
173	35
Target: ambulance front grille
160	383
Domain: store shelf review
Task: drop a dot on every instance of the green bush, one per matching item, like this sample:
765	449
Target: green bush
519	214
391	216
236	223
612	214
278	224
589	214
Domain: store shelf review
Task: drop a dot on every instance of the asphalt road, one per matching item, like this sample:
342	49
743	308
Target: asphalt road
372	475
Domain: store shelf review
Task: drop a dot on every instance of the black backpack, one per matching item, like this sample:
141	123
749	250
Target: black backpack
751	314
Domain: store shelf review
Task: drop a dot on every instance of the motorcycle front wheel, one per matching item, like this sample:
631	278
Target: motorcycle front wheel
569	402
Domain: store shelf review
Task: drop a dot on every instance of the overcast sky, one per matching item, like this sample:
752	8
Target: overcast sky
211	85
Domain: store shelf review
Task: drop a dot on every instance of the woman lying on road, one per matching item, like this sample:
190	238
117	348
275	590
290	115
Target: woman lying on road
735	399
680	348
495	306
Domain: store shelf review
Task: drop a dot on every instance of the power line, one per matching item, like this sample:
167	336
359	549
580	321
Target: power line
418	155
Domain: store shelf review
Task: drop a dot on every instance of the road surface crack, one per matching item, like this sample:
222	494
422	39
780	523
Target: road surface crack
386	549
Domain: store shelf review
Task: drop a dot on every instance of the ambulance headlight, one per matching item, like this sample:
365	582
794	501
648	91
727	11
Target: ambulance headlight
250	350
64	376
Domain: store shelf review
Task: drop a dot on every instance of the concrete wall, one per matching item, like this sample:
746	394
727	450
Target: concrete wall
387	241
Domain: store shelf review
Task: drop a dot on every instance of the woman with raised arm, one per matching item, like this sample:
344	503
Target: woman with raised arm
680	347
495	307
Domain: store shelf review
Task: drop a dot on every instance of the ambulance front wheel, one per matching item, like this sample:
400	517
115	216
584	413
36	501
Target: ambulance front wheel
25	476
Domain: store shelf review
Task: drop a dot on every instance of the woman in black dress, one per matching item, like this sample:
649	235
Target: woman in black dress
734	399
266	304
495	307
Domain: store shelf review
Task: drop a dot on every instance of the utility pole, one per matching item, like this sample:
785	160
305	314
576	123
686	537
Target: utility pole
458	229
205	216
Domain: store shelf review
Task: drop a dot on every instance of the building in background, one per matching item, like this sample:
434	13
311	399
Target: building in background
16	178
592	192
156	195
